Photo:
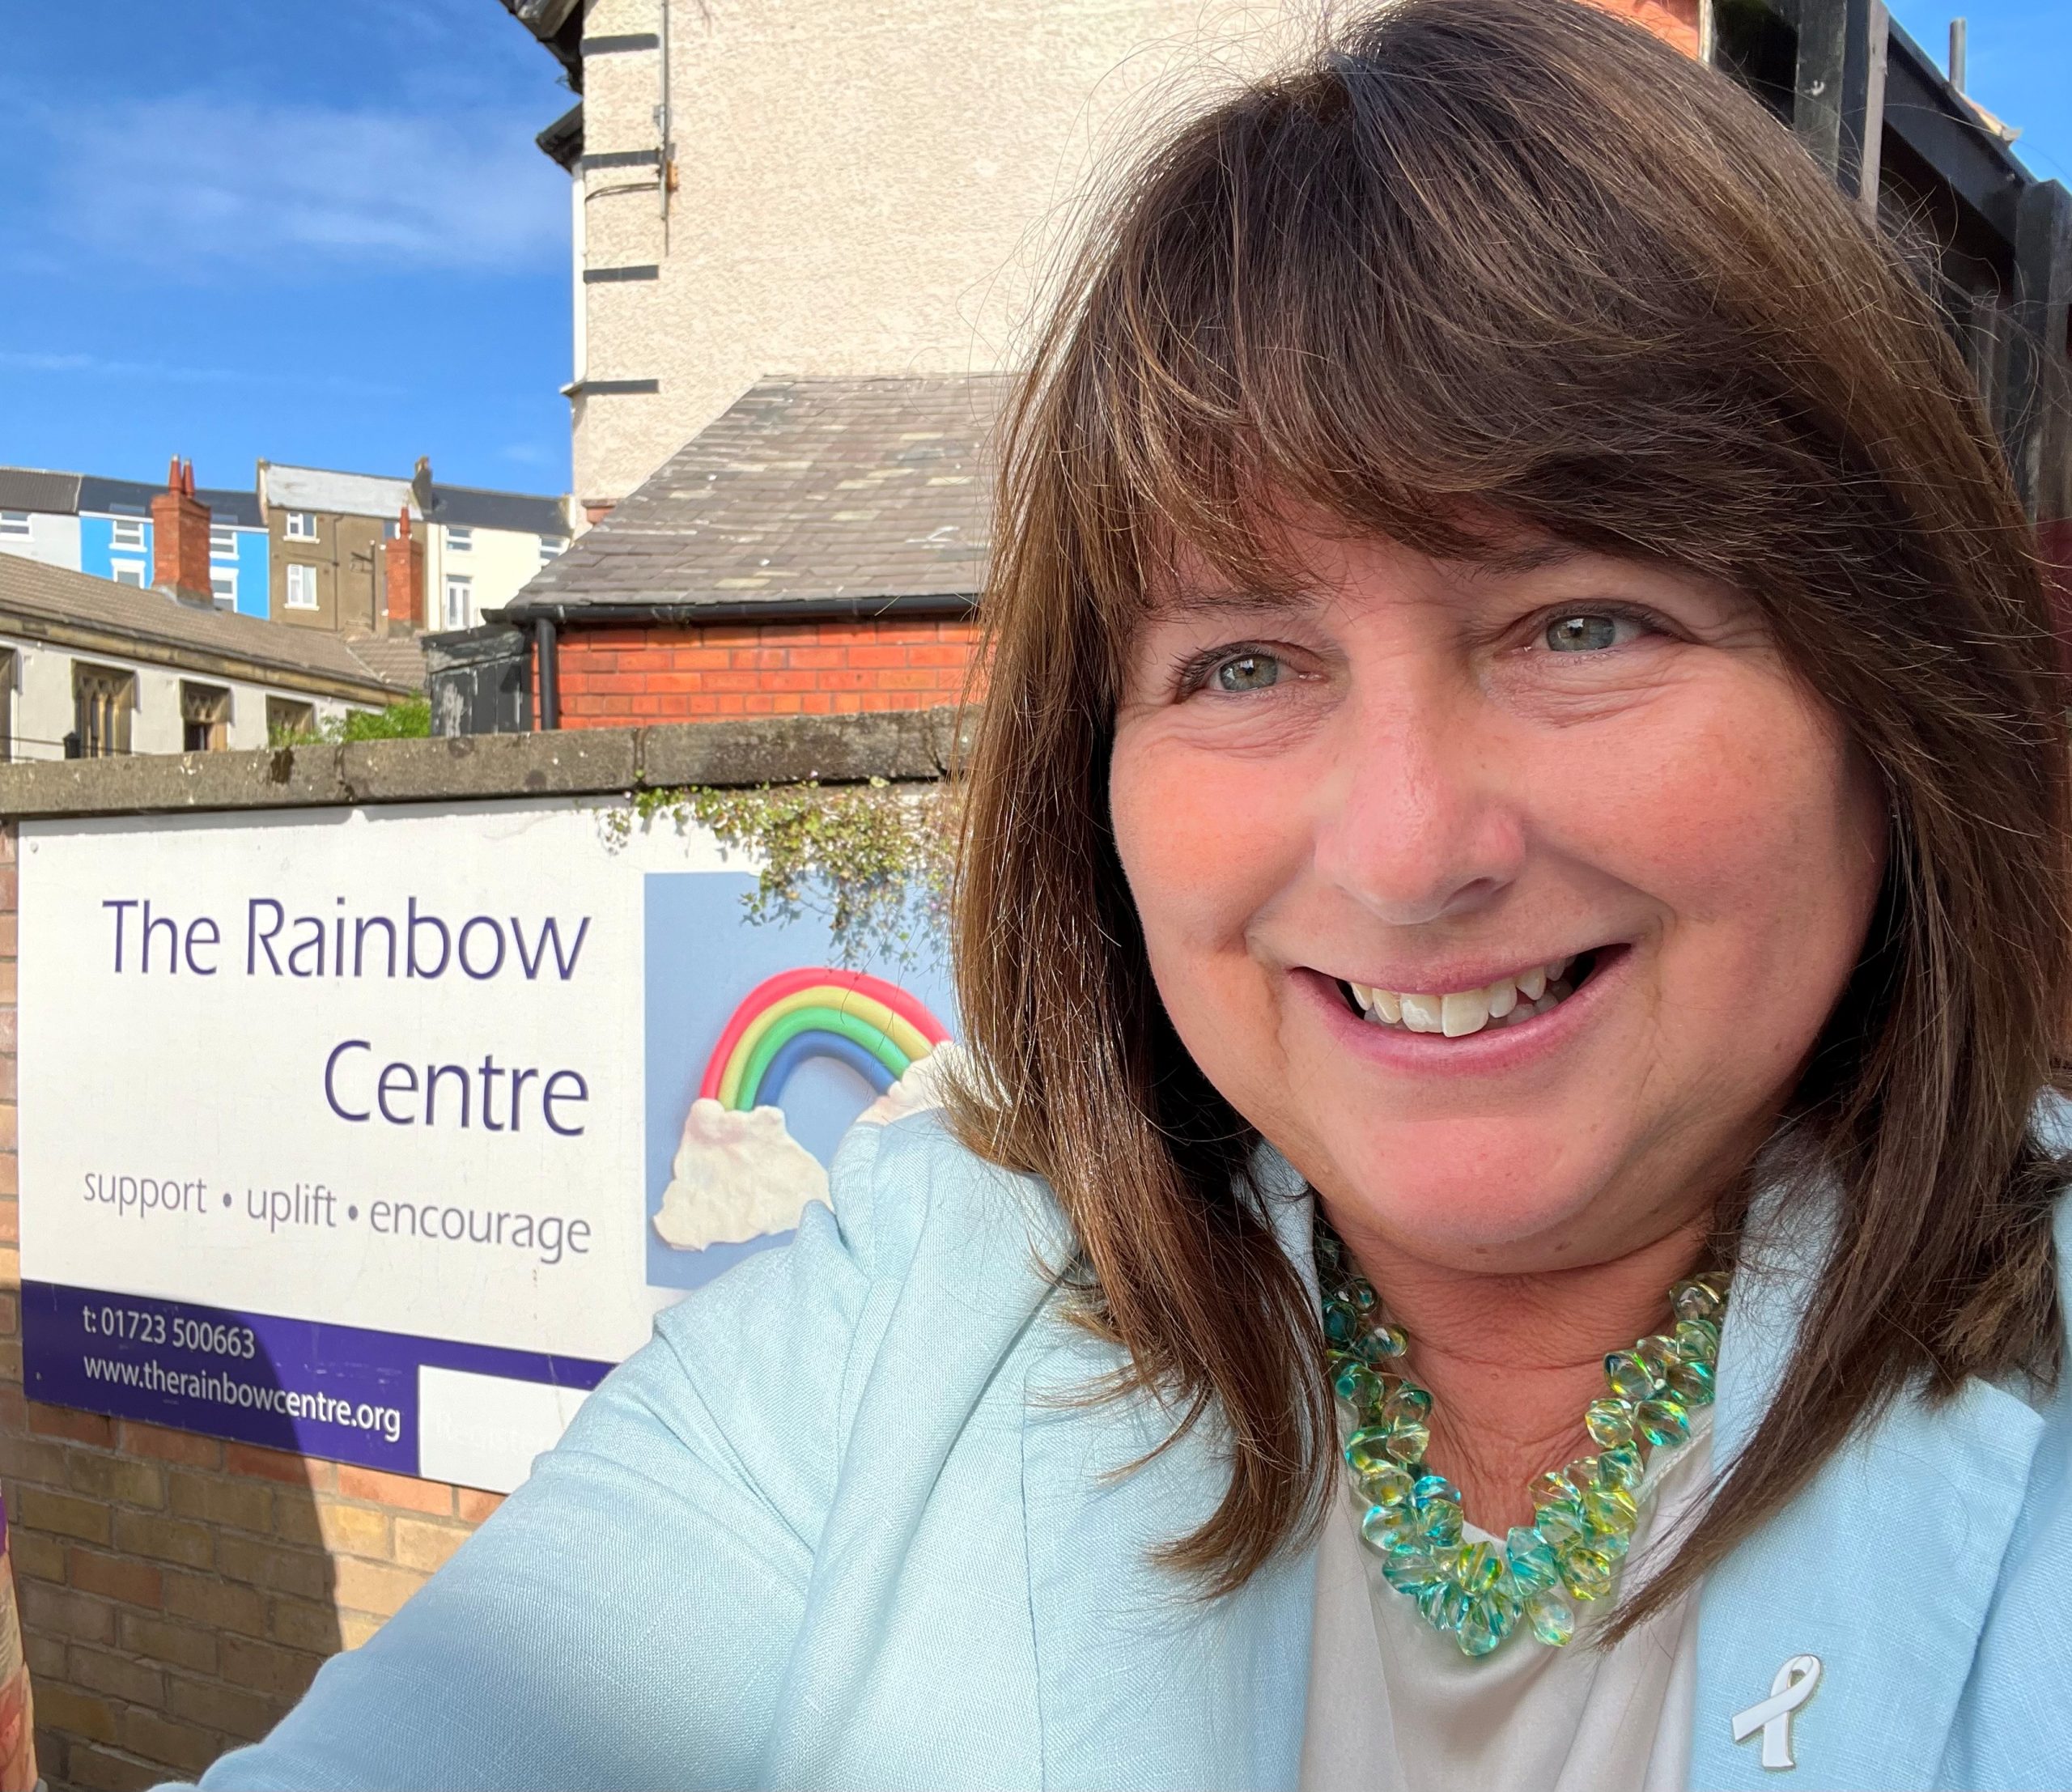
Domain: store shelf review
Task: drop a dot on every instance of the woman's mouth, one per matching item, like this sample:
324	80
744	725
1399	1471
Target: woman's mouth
1510	1000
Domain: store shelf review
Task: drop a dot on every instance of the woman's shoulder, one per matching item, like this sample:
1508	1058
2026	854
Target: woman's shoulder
907	1200
920	1230
691	1498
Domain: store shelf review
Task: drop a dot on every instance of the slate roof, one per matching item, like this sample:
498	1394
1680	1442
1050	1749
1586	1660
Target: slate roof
116	497
376	494
521	511
806	490
132	498
70	494
31	488
58	598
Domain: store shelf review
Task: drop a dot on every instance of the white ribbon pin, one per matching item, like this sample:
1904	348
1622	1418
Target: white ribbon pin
1791	1687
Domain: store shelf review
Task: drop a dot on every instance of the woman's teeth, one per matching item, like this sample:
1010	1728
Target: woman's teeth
1504	1003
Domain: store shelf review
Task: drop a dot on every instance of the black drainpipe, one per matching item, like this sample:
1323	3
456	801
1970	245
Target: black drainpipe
545	646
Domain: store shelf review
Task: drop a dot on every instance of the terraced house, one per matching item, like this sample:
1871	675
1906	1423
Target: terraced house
104	527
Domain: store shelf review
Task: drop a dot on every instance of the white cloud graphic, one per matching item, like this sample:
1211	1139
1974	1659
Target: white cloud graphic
736	1175
741	1175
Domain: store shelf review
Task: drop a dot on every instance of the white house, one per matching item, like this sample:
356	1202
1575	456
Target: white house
91	668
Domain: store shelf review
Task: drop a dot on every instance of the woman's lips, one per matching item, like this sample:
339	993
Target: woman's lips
1485	1047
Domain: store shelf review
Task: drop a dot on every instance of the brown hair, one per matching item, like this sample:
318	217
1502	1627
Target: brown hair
1515	256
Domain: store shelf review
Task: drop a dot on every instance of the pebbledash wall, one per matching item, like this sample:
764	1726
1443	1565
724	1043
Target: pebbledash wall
178	1591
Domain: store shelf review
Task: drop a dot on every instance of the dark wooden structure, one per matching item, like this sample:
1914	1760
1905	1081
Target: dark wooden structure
1875	109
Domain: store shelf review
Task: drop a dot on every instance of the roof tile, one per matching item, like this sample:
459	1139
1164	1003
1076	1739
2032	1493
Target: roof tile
758	504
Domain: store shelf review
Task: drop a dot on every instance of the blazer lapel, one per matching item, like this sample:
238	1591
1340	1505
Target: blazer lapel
1882	1571
1141	1683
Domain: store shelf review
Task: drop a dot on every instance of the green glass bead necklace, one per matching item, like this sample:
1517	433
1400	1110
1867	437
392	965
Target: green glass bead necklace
1585	1514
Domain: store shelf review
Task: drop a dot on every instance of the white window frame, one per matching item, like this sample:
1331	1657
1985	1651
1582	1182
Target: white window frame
16	523
552	547
125	532
459	584
460	538
299	526
128	572
222	586
223	540
300	593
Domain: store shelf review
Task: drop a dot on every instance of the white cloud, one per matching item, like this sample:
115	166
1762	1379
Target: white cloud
197	187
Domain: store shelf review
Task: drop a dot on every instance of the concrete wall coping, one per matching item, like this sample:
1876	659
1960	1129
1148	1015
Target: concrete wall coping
902	745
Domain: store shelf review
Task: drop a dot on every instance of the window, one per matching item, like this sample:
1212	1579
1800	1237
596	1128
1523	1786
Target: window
14	522
126	532
204	718
460	540
301	526
222	541
103	700
288	721
127	572
301	587
460	599
223	585
551	547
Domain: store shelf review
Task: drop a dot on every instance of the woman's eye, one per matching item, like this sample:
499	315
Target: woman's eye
1590	631
1247	672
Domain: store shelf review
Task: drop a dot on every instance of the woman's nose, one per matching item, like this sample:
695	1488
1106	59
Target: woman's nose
1419	821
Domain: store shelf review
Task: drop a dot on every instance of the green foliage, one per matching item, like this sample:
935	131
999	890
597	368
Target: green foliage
873	863
409	720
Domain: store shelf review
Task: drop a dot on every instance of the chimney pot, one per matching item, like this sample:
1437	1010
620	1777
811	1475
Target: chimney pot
403	576
179	539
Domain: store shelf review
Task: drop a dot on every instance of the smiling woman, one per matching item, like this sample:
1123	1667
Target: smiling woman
1496	1229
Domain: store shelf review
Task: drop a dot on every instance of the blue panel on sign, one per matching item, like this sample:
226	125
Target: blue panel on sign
721	1187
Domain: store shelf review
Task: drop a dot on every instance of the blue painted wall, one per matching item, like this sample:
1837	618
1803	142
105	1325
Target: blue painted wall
99	556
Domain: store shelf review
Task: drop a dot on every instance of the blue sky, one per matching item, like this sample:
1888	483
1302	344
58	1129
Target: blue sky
319	231
2019	67
315	230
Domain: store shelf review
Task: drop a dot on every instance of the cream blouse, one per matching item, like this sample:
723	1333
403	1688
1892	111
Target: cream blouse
1394	1707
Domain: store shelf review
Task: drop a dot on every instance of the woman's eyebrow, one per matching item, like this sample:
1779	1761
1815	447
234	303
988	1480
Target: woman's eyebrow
1188	601
1519	560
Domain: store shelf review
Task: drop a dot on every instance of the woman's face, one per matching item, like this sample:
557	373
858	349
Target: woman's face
1362	824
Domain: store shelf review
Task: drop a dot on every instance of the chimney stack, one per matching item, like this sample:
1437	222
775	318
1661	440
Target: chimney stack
179	539
403	570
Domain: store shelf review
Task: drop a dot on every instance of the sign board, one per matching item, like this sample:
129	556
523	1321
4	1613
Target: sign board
382	1134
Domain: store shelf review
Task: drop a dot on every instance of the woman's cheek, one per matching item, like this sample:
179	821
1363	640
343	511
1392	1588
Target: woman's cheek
1203	841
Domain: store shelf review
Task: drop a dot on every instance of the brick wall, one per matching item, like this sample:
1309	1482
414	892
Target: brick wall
176	1592
1675	20
617	676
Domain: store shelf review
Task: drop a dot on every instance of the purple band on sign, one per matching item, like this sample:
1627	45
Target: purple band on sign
336	1391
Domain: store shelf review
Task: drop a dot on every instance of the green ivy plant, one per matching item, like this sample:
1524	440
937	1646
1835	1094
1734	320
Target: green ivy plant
872	861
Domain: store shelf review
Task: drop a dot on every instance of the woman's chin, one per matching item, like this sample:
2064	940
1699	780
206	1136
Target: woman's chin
1502	1218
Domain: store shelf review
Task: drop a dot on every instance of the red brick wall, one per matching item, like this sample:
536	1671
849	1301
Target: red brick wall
1675	20
621	676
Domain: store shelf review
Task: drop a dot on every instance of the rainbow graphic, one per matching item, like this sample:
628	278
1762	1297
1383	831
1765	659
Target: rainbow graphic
874	1027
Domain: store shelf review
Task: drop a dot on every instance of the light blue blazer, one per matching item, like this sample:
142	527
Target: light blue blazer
841	1524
